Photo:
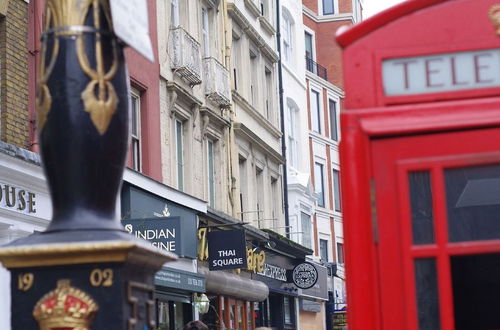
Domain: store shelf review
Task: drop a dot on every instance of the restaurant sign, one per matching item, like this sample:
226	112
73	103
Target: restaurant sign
305	275
163	233
226	249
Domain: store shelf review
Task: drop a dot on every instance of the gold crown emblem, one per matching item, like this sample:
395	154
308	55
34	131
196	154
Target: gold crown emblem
65	307
494	14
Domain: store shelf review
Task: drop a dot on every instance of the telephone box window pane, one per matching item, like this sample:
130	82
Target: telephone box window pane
421	207
473	203
427	294
475	291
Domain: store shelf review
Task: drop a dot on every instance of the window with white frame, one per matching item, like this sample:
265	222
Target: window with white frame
179	153
288	29
340	253
275	198
259	198
336	190
254	79
235	60
305	228
309	45
319	183
328	7
211	172
323	250
292	146
136	130
269	93
315	110
332	108
205	31
243	187
174	13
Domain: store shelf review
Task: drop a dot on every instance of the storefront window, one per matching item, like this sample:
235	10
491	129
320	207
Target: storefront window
249	315
288	311
173	314
163	316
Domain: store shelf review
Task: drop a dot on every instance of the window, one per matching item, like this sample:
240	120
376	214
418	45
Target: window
292	144
269	93
340	253
328	7
136	130
318	183
243	186
205	31
315	111
288	27
174	13
179	153
275	198
323	250
332	105
253	78
210	173
235	59
259	180
309	45
305	222
288	307
336	190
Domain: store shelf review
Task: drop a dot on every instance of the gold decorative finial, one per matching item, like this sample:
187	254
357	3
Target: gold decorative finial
494	14
65	307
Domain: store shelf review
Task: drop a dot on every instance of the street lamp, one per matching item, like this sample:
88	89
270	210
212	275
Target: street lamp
202	303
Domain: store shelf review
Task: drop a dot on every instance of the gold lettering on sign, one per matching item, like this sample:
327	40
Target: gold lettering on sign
202	244
25	281
101	277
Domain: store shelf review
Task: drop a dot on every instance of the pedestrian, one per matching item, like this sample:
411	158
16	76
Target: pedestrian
195	325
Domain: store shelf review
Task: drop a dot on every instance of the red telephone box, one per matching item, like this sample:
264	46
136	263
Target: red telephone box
420	157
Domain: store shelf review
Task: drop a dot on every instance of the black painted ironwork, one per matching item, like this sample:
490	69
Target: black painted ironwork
316	68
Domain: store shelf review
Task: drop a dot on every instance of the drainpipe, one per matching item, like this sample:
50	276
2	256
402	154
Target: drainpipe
282	120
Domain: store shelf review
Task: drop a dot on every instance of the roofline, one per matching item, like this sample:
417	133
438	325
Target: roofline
346	37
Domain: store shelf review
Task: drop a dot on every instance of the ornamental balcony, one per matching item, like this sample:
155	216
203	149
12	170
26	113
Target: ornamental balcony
185	53
316	68
217	83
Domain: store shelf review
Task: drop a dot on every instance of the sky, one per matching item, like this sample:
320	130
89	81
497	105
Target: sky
372	7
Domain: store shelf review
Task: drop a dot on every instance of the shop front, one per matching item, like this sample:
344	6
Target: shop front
228	267
312	301
282	307
169	226
25	207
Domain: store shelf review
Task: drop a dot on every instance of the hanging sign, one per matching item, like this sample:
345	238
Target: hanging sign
305	275
226	249
131	25
163	233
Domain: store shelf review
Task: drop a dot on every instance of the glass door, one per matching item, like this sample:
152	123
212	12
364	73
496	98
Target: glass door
437	230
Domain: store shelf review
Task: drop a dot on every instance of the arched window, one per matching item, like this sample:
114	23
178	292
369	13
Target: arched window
288	29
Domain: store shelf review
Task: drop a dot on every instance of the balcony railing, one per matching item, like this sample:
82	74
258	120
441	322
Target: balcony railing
186	55
316	68
217	84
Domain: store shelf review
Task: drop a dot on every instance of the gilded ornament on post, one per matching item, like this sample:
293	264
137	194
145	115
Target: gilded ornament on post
66	307
66	18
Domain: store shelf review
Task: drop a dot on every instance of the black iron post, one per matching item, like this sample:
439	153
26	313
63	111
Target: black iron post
84	271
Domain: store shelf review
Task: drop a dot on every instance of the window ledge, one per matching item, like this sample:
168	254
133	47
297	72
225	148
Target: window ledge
266	25
252	7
